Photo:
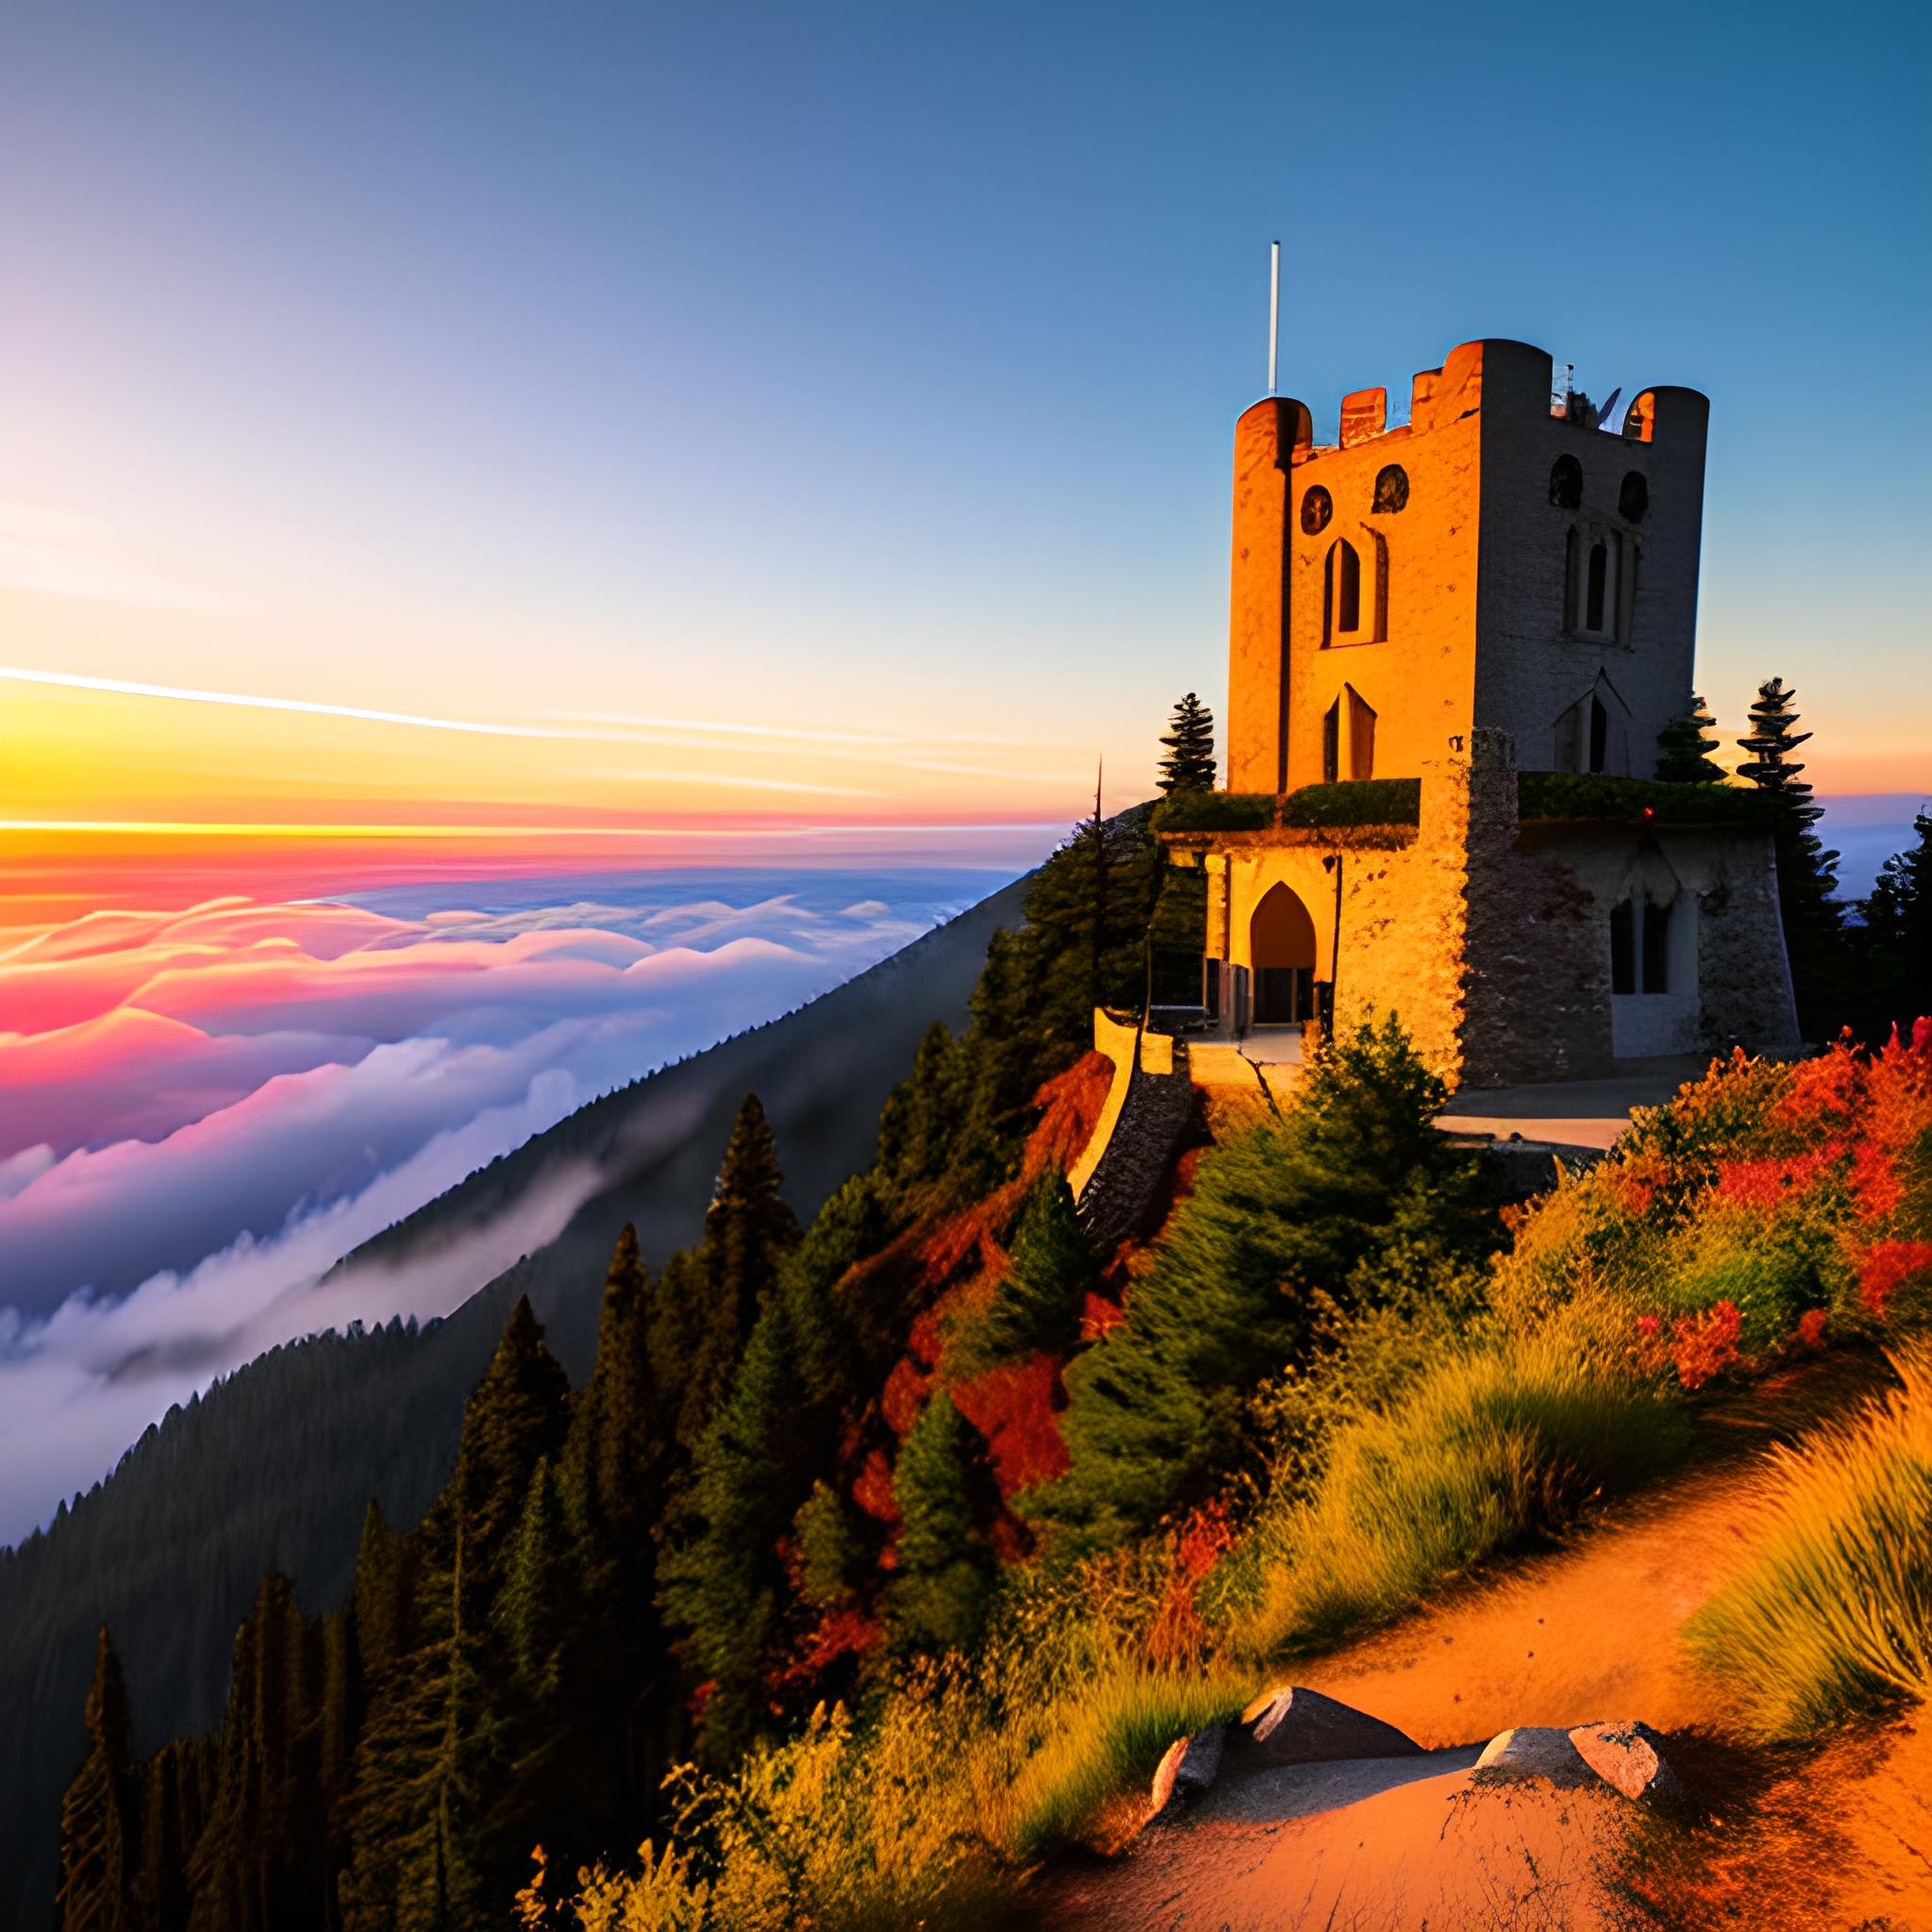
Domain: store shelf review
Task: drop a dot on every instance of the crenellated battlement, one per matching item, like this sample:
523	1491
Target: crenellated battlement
1491	376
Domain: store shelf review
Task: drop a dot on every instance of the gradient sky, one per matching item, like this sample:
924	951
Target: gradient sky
681	384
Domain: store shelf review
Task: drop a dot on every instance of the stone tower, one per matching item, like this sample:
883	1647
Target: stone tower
1488	564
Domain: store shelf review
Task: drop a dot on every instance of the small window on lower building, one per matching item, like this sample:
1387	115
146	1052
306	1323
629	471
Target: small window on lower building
1599	732
1361	736
1331	743
1657	948
1623	948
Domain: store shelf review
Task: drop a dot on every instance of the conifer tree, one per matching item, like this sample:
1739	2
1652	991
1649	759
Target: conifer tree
612	1468
97	1817
1806	872
1895	940
1189	765
725	1586
515	1417
1684	748
258	1865
711	1295
171	1820
829	1550
942	1585
1038	1302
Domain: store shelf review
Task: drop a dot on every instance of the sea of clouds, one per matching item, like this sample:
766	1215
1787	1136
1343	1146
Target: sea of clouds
201	1111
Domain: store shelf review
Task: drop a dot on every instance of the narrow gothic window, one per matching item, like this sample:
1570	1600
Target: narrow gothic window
1598	584
1316	508
1361	736
1566	483
1391	490
1344	588
1331	742
1633	499
1622	948
1656	947
1599	732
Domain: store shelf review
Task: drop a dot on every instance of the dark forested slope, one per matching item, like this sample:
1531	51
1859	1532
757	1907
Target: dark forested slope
273	1468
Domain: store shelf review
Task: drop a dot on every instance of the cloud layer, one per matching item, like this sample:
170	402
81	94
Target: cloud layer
203	1111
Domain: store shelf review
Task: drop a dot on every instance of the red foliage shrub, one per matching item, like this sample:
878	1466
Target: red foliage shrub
1016	1409
904	1394
873	1490
1811	1328
1769	1183
1706	1344
1098	1316
1890	1266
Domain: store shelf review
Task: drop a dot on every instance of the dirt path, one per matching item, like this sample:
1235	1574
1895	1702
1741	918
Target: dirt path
1588	1632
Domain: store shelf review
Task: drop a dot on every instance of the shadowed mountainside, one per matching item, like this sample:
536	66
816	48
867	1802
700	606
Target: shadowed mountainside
274	1467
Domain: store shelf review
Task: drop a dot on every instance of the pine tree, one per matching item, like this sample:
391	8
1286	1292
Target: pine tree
612	1470
725	1586
1895	940
258	1865
712	1294
1807	875
1684	749
1038	1302
514	1418
612	1484
1333	1206
97	1816
171	1820
1189	765
943	1583
830	1553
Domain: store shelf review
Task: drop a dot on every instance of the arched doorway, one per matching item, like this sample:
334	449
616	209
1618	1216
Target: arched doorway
1281	945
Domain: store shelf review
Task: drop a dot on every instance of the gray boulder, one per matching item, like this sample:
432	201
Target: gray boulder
1628	1756
1526	1752
1189	1766
1296	1725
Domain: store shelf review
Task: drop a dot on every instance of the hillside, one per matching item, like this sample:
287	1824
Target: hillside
274	1467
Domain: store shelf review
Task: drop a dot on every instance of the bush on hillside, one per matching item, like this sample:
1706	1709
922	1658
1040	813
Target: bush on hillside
1324	1207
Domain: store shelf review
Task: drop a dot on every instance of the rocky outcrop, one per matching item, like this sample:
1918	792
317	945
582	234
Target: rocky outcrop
1530	1754
1628	1756
1295	1726
1188	1767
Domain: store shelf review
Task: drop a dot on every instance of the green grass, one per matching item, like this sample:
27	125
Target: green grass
1109	1740
1831	1617
1487	1448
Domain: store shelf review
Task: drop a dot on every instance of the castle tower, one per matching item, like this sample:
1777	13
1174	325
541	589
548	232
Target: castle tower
1487	564
1495	591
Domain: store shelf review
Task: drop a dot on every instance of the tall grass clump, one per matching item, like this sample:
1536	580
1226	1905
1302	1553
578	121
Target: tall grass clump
1499	1442
1831	1618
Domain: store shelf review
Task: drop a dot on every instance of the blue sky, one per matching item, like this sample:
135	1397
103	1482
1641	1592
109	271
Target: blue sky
814	362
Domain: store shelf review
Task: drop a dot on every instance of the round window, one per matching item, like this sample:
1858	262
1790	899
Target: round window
1391	490
1633	499
1316	508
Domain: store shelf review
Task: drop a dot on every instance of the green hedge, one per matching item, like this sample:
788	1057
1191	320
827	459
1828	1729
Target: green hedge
1585	795
1215	811
1355	801
1314	807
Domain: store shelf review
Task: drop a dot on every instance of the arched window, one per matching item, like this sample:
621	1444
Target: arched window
1596	585
1640	945
1623	948
1566	483
1361	735
1316	508
1391	490
1633	499
1599	732
1342	597
1331	743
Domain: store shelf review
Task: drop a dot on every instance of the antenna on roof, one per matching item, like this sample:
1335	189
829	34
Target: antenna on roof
1273	311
